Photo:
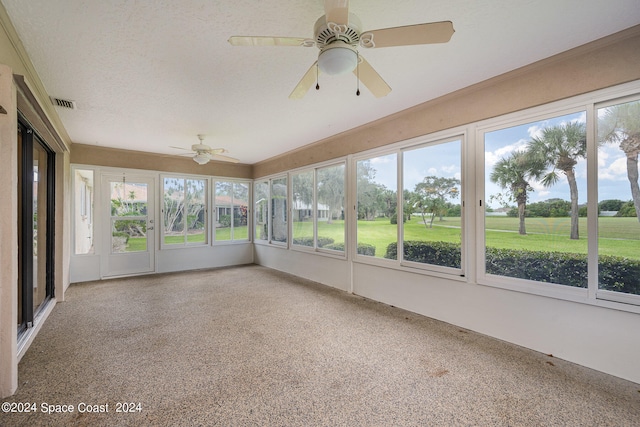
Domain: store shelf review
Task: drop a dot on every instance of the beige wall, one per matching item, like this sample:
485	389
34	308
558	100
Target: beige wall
101	156
606	62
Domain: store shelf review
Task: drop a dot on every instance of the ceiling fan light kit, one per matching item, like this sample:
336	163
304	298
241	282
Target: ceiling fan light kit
202	153
337	35
338	58
201	158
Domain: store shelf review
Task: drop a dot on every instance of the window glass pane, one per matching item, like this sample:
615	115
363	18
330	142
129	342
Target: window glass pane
330	207
83	209
240	209
619	198
128	199
535	201
195	205
173	211
431	202
128	235
279	210
261	203
224	209
303	208
377	203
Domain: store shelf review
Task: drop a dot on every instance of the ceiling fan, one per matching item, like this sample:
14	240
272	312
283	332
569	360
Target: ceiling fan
338	33
203	153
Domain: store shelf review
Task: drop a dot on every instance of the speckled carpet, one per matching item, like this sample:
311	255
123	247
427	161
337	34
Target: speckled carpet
250	346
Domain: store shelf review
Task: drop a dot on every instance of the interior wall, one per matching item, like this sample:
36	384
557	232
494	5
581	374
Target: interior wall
129	159
603	63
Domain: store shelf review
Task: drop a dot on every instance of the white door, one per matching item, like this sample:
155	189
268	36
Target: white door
128	228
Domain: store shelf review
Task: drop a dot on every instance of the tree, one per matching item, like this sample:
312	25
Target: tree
331	190
621	124
559	148
430	196
513	174
370	193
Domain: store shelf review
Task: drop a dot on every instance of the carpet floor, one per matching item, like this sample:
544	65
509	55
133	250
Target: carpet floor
250	346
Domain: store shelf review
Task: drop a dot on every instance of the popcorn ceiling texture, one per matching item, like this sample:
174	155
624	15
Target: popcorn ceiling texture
253	346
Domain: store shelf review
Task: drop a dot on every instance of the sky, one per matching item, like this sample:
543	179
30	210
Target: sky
444	160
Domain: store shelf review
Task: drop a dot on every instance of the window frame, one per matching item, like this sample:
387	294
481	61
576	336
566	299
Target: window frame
214	211
453	134
207	203
314	169
582	103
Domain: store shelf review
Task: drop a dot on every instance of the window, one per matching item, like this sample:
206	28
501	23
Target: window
231	209
261	209
279	221
304	212
318	207
432	209
618	130
536	201
184	211
83	211
377	230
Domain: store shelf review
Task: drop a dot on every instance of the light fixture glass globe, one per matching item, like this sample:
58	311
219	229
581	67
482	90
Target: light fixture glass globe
338	59
201	158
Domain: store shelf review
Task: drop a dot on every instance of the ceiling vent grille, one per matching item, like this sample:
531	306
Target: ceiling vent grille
64	103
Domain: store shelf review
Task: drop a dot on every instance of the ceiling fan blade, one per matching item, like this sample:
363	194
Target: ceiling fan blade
179	148
371	79
266	41
434	32
306	82
222	158
337	11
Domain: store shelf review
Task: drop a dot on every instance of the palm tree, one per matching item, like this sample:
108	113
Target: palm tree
621	124
513	174
559	148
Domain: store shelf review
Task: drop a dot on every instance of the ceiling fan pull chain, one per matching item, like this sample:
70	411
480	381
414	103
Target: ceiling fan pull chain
317	77
358	74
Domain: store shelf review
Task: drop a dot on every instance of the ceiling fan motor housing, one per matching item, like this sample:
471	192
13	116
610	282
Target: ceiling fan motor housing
329	32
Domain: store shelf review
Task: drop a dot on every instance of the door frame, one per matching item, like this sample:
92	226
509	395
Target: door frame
142	262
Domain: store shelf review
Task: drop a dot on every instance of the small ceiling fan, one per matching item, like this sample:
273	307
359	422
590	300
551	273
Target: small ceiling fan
203	153
338	33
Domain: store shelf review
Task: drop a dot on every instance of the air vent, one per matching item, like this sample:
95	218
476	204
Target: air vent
63	103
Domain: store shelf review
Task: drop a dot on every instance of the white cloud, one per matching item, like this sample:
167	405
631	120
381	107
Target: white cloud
616	171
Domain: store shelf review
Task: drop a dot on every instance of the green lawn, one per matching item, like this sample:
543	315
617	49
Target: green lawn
618	236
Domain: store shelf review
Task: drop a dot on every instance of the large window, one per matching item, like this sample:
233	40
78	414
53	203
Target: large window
318	207
377	184
261	210
231	208
535	201
83	184
184	212
432	208
279	221
618	130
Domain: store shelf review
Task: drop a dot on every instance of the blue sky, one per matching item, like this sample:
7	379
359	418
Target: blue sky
444	160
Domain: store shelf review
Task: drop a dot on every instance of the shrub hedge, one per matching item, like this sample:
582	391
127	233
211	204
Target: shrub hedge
363	248
615	273
308	241
437	253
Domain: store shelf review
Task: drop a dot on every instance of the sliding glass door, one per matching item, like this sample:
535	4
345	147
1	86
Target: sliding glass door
36	225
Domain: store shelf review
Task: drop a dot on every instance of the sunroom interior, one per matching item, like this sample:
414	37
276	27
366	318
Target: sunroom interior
407	208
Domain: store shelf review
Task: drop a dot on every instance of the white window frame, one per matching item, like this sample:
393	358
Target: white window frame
207	215
588	103
214	211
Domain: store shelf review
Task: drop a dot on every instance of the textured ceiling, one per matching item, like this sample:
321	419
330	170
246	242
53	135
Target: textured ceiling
147	75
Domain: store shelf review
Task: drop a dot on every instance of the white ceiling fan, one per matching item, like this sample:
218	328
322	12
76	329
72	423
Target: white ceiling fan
338	33
203	153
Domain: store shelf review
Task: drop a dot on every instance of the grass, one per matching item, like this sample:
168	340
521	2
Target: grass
618	236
